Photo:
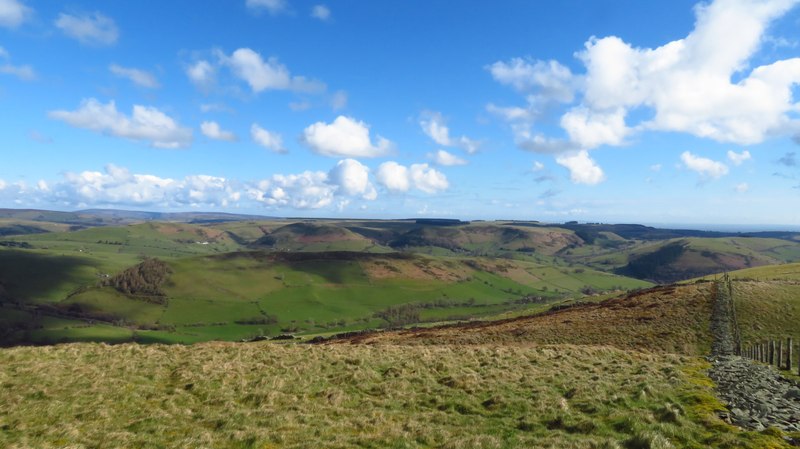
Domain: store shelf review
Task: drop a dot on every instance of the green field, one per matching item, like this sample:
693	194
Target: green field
238	295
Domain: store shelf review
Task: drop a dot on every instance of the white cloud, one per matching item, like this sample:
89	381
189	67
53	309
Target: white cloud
742	187
274	7
307	190
23	72
345	137
398	178
708	84
428	179
549	79
212	130
13	13
591	129
540	144
267	139
91	29
146	123
118	186
582	169
705	167
655	167
339	100
512	113
434	126
321	12
261	75
538	166
738	158
446	159
352	178
139	77
214	107
394	177
202	74
315	190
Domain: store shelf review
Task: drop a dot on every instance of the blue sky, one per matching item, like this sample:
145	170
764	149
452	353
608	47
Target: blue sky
618	111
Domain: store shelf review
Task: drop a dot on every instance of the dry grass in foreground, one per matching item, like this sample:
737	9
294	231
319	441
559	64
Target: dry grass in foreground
270	396
672	319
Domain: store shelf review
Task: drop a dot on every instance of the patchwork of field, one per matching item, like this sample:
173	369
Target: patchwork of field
237	295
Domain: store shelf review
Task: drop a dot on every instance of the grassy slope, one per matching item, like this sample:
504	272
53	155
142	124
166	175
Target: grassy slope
272	396
702	255
668	319
208	294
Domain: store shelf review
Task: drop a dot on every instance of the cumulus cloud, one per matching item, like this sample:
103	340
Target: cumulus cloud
590	129
269	74
316	189
344	137
267	139
399	178
321	12
742	187
274	7
394	177
706	168
146	123
352	178
117	186
90	29
537	166
446	159
202	74
549	80
582	168
435	127
212	130
427	179
708	84
13	13
137	76
307	190
738	158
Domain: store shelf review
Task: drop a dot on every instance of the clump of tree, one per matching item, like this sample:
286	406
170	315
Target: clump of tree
143	280
400	315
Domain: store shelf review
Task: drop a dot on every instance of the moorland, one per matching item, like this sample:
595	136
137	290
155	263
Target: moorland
131	329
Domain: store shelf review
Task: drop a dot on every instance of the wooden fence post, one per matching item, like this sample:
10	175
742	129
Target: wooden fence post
789	354
779	361
771	359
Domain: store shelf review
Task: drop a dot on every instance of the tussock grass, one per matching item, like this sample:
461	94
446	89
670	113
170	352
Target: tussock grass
268	396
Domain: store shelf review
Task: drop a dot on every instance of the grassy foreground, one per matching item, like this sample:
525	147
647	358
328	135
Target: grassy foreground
267	396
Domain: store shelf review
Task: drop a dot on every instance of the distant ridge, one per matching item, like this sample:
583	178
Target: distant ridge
102	217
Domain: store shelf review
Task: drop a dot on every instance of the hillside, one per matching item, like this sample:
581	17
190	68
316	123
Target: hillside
240	294
672	319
